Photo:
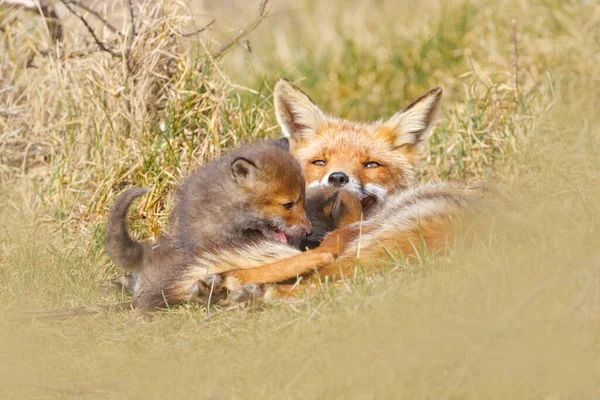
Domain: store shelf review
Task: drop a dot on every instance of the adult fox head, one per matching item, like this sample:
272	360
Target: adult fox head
369	159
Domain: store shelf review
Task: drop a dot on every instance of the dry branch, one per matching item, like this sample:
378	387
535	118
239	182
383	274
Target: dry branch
68	4
96	14
205	27
244	32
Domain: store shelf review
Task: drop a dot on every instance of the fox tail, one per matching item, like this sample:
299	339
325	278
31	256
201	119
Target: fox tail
121	248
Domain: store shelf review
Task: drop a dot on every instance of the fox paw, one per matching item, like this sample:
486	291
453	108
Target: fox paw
247	293
209	287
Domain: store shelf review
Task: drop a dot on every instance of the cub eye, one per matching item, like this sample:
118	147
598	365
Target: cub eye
372	164
320	163
288	206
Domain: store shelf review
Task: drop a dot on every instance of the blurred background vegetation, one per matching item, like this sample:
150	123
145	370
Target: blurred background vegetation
515	317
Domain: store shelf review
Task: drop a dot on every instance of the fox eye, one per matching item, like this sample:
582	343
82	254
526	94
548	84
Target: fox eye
320	163
371	164
288	206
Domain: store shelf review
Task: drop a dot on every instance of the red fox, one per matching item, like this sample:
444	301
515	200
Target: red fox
373	161
369	159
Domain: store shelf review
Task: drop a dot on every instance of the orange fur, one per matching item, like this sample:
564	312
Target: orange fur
371	161
279	271
377	158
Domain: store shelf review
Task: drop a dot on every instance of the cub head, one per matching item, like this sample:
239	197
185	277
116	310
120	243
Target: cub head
272	184
368	159
330	208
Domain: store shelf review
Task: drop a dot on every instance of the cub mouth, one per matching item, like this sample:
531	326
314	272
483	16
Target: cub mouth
279	235
269	233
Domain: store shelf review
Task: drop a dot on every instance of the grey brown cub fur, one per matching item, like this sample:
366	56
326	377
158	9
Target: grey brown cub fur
242	196
329	208
254	194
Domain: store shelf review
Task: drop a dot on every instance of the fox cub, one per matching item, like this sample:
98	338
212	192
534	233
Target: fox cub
250	197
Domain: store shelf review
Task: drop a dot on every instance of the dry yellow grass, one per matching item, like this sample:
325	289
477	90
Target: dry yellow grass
517	316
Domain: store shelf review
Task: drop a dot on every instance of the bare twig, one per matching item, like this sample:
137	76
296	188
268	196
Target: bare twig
261	8
67	3
205	27
249	28
96	14
515	59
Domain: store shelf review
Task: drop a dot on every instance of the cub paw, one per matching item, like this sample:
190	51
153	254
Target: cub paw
247	293
213	281
209	287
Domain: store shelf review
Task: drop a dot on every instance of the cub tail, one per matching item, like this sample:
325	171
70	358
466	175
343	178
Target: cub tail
120	247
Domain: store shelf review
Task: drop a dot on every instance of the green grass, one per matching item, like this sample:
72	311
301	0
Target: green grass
515	316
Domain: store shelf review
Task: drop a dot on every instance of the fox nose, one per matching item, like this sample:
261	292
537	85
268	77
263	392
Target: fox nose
338	179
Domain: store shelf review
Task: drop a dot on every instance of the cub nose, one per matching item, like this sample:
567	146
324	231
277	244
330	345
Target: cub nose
308	229
338	179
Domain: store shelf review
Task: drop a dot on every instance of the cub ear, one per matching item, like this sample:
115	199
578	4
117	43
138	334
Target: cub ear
329	205
346	210
282	143
244	171
337	209
296	113
409	127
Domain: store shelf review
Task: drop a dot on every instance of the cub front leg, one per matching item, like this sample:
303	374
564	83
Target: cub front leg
209	288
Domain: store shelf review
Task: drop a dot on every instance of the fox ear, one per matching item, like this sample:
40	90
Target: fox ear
296	113
244	171
411	126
